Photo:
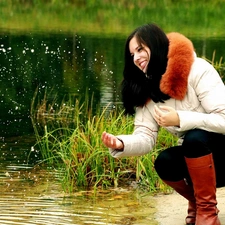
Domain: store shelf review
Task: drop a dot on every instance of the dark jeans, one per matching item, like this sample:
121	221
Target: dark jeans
170	163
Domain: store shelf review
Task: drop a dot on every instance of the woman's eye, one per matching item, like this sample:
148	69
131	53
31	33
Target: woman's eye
140	48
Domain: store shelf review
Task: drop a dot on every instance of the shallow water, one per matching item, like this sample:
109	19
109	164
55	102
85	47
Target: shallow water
31	194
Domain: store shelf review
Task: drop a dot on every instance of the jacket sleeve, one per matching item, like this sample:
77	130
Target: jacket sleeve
143	139
210	91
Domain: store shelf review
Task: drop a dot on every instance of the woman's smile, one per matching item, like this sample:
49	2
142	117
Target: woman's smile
143	66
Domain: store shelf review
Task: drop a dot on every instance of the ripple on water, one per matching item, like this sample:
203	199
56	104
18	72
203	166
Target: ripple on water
33	196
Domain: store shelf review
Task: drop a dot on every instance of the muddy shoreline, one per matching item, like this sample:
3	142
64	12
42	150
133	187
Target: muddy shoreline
172	208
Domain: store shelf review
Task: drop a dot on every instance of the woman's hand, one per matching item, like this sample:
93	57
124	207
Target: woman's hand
166	116
111	141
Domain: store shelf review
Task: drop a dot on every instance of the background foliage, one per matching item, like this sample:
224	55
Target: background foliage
114	17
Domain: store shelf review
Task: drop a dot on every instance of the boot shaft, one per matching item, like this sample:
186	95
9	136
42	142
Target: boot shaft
187	191
202	173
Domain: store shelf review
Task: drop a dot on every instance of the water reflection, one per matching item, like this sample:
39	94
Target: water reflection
33	194
64	64
38	205
59	64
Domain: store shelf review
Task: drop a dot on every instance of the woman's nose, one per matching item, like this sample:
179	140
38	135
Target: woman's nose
136	57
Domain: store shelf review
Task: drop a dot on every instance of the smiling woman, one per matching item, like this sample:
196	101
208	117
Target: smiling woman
145	54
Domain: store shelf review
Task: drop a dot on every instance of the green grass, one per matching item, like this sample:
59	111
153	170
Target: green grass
218	65
104	17
70	140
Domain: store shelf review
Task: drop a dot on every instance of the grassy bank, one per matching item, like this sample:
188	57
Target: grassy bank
70	140
104	17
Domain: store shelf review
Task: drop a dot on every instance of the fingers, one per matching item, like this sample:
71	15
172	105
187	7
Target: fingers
166	116
157	110
109	140
159	114
106	138
161	110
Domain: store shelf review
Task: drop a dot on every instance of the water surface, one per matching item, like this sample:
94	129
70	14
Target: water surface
60	65
33	194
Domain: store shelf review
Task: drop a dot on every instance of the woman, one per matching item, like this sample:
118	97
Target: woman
166	84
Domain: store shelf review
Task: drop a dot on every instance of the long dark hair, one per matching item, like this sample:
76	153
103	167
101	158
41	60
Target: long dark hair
138	87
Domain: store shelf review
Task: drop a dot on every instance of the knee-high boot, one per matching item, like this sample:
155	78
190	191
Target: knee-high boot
202	173
187	191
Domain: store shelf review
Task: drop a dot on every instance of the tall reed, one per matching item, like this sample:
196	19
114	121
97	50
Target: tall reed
70	140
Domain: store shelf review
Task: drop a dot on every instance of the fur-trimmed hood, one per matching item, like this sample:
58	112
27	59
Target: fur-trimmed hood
180	59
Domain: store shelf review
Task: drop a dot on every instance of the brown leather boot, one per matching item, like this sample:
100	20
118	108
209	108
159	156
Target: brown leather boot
187	191
202	173
191	217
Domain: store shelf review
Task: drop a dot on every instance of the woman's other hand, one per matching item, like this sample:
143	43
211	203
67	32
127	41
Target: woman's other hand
166	116
111	141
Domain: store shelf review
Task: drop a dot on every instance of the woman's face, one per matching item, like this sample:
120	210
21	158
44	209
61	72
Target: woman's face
141	54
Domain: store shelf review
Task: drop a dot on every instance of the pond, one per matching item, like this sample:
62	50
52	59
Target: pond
64	64
61	64
32	194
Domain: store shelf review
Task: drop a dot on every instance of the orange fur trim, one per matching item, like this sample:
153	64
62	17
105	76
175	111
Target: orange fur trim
180	59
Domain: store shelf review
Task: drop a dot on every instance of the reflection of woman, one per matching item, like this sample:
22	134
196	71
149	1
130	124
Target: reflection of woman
170	87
